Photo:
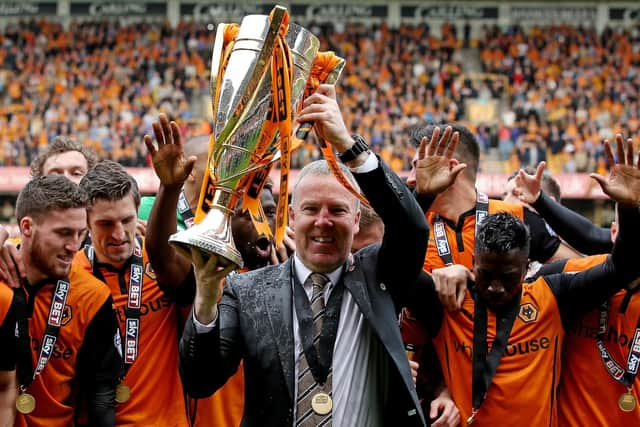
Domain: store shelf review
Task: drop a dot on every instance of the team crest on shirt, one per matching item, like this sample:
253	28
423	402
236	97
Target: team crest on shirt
528	312
148	271
66	315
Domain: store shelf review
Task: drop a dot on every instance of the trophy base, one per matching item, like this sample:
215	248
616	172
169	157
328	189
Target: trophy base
207	247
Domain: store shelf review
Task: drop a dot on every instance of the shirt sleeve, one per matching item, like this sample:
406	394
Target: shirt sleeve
544	242
201	328
183	294
575	229
370	164
8	339
424	305
548	269
578	293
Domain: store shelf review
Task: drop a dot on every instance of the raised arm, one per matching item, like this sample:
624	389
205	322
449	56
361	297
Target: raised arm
406	232
173	168
575	229
578	293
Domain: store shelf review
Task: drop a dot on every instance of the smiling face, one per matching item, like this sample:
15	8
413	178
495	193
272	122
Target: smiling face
325	218
52	240
113	227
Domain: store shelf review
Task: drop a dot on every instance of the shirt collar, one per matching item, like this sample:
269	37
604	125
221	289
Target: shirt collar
302	271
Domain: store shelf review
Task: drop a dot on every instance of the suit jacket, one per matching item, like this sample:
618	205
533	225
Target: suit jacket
255	317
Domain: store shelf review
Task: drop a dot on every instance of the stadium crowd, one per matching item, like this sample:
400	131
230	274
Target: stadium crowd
428	305
568	88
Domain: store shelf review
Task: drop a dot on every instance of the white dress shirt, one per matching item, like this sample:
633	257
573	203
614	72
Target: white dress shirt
359	360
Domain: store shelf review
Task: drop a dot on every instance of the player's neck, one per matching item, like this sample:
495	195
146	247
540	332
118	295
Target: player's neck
117	265
456	200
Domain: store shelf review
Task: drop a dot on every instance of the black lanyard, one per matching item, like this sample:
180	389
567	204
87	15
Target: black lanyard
440	231
319	364
134	301
484	367
185	210
26	373
617	372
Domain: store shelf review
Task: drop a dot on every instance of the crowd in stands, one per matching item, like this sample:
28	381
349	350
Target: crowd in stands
101	82
570	89
566	88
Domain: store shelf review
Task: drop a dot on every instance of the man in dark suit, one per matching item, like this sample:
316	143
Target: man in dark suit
268	318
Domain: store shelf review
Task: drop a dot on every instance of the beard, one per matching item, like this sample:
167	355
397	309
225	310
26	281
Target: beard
45	261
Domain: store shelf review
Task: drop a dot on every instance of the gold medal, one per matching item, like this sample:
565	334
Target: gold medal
25	403
627	402
321	403
472	418
123	393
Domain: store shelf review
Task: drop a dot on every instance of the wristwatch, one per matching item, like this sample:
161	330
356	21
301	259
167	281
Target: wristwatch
359	147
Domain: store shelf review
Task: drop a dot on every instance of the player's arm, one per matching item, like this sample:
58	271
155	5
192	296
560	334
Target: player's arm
172	168
99	366
554	267
545	245
8	386
575	229
424	304
578	293
584	291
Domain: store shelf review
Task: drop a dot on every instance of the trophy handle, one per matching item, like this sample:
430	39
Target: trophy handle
216	59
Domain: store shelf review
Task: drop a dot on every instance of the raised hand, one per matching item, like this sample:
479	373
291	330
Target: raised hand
322	108
623	182
12	268
435	168
169	161
528	186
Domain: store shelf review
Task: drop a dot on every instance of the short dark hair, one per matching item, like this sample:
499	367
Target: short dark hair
44	194
109	180
467	151
61	144
501	233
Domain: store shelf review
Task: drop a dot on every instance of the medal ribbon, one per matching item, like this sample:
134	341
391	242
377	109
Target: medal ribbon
484	366
54	321
440	230
319	361
624	376
134	302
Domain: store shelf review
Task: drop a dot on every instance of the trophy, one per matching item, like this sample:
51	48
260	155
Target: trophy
258	71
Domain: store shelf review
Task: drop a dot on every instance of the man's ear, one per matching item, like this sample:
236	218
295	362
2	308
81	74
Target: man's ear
292	218
26	226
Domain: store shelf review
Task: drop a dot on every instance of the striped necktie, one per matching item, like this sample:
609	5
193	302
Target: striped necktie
307	386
